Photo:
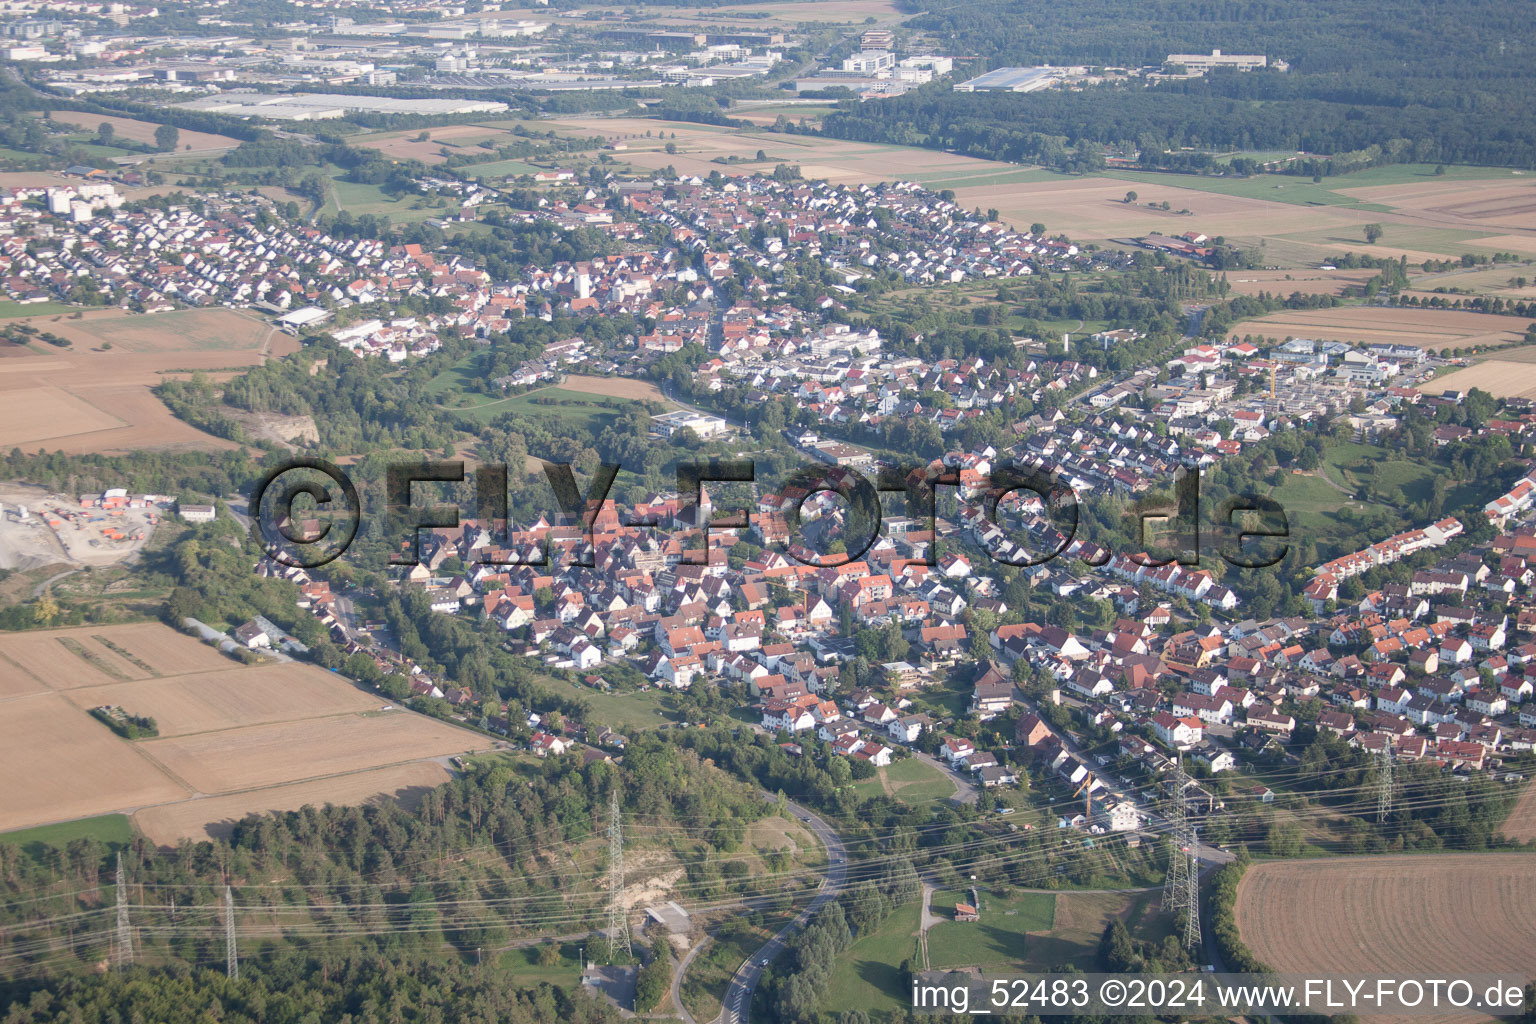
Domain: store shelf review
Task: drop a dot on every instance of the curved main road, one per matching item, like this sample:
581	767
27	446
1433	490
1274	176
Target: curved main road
736	1006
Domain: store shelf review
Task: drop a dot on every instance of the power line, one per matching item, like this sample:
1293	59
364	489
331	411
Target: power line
1181	886
1384	783
124	932
618	926
231	960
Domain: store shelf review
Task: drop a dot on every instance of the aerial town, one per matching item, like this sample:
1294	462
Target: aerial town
797	511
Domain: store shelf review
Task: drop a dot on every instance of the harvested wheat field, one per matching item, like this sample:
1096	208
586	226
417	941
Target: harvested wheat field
144	131
1496	203
1093	209
232	697
616	387
233	738
215	816
1288	282
95	396
179	330
60	763
1521	823
1437	329
1393	916
66	659
1498	377
165	651
836	160
258	756
459	138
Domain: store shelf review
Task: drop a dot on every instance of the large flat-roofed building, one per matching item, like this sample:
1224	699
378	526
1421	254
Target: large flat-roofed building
1200	63
320	106
703	425
869	62
1013	80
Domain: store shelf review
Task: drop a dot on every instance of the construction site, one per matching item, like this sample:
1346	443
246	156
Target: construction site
40	528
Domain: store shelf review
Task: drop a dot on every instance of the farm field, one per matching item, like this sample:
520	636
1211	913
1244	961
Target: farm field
1317	221
1500	378
498	169
838	161
223	699
1093	208
1392	914
256	756
234	739
618	387
100	773
1499	280
93	398
1500	204
812	110
402	145
144	131
181	330
216	815
1288	282
111	829
1437	329
1521	823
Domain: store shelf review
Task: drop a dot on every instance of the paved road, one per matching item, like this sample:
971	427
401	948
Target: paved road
737	1004
38	590
677	981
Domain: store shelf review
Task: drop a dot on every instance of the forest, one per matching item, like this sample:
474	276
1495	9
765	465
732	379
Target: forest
506	851
1436	84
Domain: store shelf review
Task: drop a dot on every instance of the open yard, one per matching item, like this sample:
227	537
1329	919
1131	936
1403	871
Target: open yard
1000	940
630	711
1437	329
233	739
867	975
1500	378
94	396
1392	915
909	780
588	410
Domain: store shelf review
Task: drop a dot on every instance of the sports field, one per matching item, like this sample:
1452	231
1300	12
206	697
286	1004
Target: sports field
232	738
